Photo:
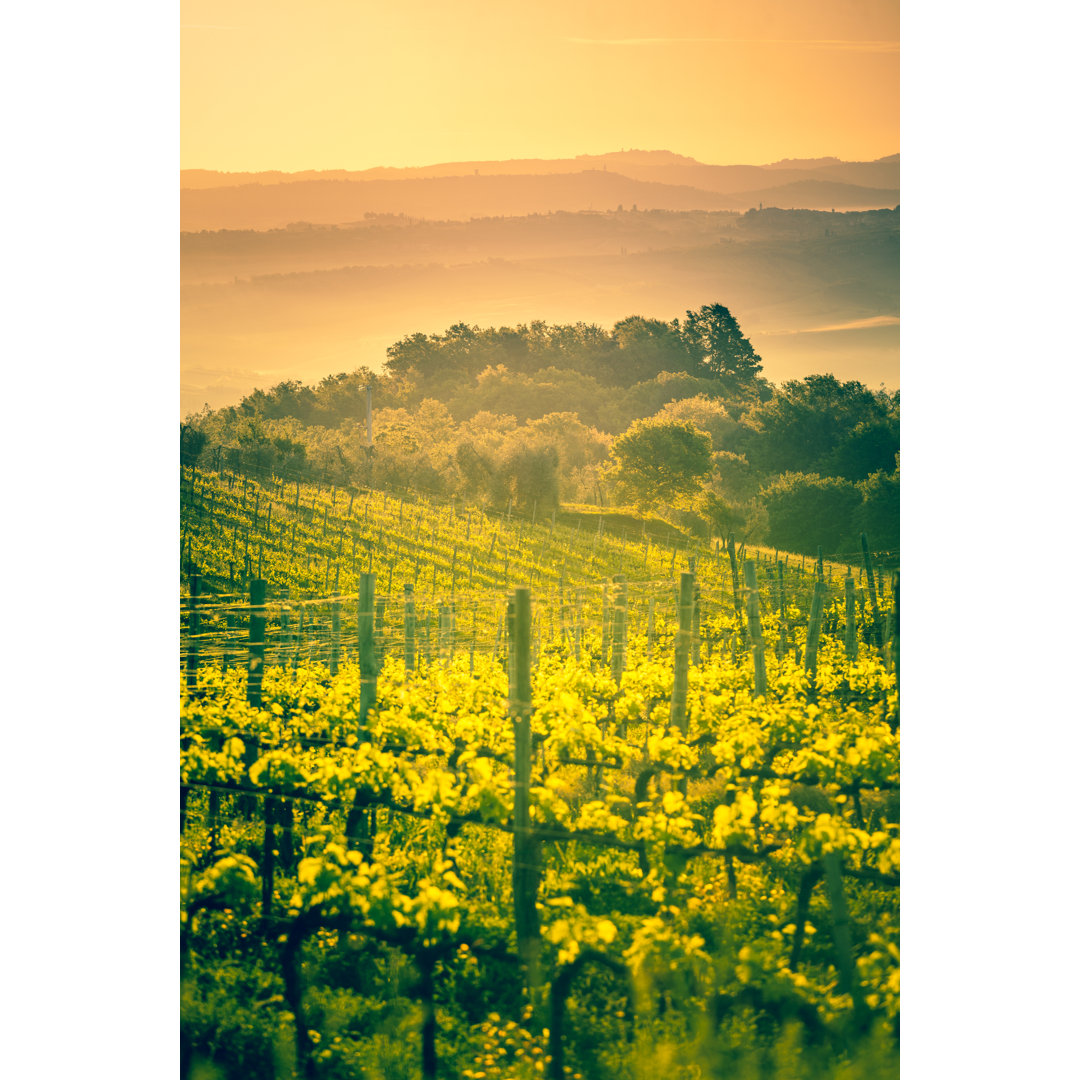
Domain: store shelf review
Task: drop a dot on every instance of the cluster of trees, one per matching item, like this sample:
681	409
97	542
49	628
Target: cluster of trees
489	458
815	464
707	344
669	417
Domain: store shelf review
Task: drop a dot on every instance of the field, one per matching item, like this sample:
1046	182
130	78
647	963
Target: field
470	794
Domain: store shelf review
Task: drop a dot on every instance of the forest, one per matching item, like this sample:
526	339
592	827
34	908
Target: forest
573	416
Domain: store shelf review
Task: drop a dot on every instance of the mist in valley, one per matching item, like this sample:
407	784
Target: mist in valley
815	290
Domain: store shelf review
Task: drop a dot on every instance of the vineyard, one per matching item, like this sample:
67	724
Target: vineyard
470	794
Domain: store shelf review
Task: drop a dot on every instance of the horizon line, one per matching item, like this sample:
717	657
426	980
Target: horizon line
575	157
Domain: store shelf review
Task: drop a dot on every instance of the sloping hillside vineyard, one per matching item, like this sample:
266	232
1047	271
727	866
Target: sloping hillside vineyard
470	793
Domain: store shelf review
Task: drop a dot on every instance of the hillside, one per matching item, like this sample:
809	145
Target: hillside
327	202
649	180
653	165
314	540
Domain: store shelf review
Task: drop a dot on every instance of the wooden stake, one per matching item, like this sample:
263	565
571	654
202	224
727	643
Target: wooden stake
365	637
682	657
193	632
527	852
618	645
813	630
851	641
335	636
872	589
256	641
753	613
410	628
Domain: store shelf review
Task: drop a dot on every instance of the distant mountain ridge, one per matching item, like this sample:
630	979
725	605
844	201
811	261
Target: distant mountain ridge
635	164
644	180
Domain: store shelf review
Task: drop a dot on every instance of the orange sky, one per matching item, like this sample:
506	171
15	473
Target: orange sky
301	84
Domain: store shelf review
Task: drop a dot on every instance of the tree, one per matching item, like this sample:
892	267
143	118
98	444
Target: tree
879	514
646	347
532	474
257	451
807	511
660	463
719	514
869	448
717	346
192	443
814	425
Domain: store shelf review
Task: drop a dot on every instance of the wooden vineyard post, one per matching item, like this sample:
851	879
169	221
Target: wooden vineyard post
845	963
682	657
605	623
618	644
472	640
872	589
735	595
650	629
369	674
695	638
577	624
510	639
782	649
894	628
256	641
335	635
753	612
813	630
256	655
193	632
410	628
851	641
526	867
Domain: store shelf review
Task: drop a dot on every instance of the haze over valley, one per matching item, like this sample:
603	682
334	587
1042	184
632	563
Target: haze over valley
301	275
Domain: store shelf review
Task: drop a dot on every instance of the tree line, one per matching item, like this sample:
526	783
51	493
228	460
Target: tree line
671	418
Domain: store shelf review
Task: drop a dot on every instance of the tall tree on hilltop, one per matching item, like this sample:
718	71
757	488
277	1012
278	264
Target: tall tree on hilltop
718	347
